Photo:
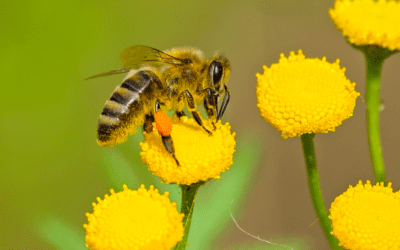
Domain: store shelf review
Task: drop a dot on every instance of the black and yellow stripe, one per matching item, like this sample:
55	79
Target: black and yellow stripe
127	107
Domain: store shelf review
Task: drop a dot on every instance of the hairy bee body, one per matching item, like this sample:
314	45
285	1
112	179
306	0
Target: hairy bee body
179	78
126	108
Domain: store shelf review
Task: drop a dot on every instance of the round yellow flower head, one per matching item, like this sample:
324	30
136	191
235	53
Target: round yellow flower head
299	95
367	22
201	156
131	219
367	217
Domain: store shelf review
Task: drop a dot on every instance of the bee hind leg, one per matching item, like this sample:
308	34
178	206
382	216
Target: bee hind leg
167	140
169	146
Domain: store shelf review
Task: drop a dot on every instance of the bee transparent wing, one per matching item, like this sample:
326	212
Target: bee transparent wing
135	56
114	72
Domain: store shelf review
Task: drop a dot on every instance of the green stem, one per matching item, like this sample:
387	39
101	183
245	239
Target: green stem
375	56
188	195
315	189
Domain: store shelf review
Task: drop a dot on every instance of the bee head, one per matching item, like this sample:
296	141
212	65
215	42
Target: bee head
219	71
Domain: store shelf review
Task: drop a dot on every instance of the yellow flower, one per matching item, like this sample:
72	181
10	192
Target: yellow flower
367	217
201	156
367	22
299	95
131	219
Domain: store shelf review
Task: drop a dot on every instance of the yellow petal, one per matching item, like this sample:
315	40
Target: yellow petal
302	95
367	22
201	156
367	217
140	220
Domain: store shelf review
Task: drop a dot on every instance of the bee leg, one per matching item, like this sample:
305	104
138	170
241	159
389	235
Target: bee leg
167	140
211	105
148	123
169	146
192	109
158	106
180	113
224	104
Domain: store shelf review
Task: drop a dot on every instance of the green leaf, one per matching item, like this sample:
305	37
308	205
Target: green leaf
119	171
61	235
123	165
212	209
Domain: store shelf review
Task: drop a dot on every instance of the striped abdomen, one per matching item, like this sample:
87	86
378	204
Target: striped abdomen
126	108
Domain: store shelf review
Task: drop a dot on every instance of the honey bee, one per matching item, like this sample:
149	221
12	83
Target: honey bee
162	81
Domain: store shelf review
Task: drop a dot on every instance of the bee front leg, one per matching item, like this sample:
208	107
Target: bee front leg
211	105
192	109
224	104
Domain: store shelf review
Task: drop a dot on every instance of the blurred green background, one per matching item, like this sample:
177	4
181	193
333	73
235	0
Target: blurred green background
51	168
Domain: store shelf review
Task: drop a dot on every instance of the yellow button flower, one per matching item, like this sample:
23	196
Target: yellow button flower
131	219
299	95
367	217
367	22
201	156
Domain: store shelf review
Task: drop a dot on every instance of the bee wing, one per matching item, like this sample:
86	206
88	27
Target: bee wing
114	72
135	56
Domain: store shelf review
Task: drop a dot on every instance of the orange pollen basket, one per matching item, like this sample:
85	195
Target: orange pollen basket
163	123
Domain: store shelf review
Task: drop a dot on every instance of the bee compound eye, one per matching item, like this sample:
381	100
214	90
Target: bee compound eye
216	71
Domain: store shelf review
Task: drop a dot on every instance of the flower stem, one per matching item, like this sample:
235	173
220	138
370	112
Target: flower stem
315	189
188	195
375	56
